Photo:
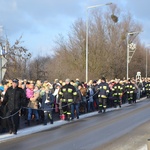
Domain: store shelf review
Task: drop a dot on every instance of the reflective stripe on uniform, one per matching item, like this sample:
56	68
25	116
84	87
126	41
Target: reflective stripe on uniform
70	100
64	100
74	93
104	87
64	89
70	90
64	112
60	93
107	91
103	96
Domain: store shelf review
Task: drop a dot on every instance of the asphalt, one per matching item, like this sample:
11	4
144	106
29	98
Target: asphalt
37	128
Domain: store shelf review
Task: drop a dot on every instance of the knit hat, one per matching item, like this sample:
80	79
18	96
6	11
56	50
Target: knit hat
15	80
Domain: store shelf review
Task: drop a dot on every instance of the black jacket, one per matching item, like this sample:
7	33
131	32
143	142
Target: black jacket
103	90
14	98
67	92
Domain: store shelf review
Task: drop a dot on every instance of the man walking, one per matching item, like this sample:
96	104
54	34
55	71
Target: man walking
67	96
103	95
14	98
117	90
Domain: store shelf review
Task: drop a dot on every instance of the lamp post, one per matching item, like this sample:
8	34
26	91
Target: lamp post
146	61
90	7
128	59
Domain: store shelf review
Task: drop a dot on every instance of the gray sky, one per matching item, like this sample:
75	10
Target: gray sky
39	22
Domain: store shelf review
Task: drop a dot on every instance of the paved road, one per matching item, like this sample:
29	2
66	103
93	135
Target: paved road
127	128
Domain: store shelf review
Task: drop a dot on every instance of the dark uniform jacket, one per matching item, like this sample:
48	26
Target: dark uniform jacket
130	88
117	89
14	98
68	93
147	86
103	90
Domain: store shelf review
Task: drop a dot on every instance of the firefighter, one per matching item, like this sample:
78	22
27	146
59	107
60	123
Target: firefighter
103	91
147	88
117	91
130	88
67	96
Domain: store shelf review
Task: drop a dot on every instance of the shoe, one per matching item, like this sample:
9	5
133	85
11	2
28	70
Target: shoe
99	111
78	117
45	122
10	131
28	122
15	133
69	119
51	121
37	121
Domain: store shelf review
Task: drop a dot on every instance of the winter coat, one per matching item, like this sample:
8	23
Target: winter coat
14	98
130	88
79	97
90	94
83	91
33	102
68	93
29	93
47	101
117	89
103	90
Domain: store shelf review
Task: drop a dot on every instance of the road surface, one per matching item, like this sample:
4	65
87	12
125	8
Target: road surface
127	128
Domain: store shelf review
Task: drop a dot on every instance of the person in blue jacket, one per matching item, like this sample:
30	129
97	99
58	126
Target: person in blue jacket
47	105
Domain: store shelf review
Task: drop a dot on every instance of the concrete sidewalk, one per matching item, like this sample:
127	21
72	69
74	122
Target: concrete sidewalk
37	128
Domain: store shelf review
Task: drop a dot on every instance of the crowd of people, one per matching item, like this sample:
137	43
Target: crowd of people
37	100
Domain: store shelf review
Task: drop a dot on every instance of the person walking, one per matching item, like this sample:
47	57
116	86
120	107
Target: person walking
147	88
117	90
130	88
67	96
103	91
14	99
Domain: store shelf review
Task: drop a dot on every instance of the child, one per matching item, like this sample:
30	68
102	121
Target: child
29	91
47	102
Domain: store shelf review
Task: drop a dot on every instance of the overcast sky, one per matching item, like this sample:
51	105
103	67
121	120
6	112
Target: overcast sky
40	21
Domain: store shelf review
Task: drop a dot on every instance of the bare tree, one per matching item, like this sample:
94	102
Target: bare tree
17	56
107	45
107	50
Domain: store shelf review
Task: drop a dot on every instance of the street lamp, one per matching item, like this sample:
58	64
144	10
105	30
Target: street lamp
128	49
146	61
90	7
